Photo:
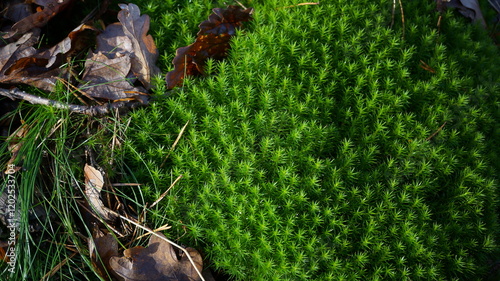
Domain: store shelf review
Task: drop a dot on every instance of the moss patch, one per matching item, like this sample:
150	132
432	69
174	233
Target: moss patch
309	152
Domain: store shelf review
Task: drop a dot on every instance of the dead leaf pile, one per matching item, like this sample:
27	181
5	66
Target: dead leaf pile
119	60
106	64
119	66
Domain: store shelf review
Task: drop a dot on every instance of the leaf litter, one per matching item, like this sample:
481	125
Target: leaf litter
108	67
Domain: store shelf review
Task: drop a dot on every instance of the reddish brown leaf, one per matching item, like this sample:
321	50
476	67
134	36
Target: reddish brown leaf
212	42
159	261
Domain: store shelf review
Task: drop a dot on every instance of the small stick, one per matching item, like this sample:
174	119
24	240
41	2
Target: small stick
402	17
174	144
436	132
87	110
239	3
166	191
393	12
300	4
161	228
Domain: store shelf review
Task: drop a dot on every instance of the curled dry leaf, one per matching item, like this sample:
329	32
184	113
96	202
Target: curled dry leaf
159	261
22	64
48	9
94	182
16	50
212	42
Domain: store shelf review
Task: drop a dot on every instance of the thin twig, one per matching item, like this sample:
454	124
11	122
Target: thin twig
241	4
300	4
174	144
393	12
402	17
436	132
166	191
87	110
161	228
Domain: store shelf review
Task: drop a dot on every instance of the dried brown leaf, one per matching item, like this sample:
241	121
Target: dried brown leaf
113	42
16	50
144	53
39	18
108	78
159	261
102	247
21	63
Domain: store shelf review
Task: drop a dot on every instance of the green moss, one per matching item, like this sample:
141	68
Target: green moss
309	152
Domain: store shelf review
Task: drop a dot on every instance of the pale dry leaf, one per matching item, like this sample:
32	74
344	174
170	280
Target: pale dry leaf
94	181
144	53
113	42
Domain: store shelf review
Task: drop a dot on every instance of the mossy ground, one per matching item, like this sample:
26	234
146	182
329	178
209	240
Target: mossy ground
308	153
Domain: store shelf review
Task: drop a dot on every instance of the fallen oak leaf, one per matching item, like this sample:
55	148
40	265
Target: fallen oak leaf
107	78
41	68
113	42
212	42
32	71
159	261
121	57
145	53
